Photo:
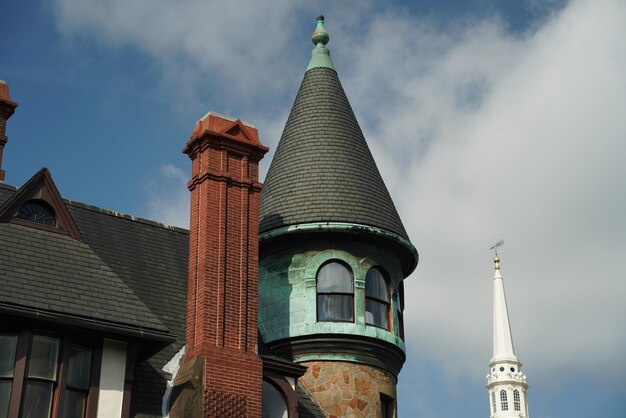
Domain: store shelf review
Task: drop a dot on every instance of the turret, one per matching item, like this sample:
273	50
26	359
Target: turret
333	252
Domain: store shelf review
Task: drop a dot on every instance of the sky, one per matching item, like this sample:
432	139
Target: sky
488	120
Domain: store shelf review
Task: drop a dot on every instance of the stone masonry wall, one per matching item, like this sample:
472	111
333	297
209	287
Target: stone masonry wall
348	390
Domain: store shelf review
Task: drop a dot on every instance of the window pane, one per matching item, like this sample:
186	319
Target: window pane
8	343
386	406
37	400
5	392
79	367
36	211
376	285
334	277
73	404
43	357
335	308
376	313
274	405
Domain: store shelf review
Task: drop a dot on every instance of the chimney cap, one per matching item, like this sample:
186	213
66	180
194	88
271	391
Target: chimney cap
4	93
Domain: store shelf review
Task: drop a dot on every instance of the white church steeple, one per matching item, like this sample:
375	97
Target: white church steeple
506	383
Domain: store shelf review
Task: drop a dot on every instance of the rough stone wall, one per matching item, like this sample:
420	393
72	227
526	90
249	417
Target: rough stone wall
348	390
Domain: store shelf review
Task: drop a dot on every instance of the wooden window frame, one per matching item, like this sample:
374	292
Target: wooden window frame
386	303
24	343
318	293
387	405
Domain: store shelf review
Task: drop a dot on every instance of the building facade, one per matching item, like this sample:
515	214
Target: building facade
283	300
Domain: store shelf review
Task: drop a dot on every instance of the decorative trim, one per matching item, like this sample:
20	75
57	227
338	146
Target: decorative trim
411	256
356	349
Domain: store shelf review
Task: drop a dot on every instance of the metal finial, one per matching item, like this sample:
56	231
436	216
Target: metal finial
320	36
495	247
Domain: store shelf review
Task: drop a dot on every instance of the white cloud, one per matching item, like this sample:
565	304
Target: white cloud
491	135
168	197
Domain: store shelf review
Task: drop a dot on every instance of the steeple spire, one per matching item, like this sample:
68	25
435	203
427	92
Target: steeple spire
320	56
502	338
505	382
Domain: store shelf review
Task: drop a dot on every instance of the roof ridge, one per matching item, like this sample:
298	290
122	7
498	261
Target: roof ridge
8	186
126	216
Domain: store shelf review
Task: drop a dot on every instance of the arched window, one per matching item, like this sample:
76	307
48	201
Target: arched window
504	403
516	400
493	402
37	211
274	405
335	293
400	310
376	298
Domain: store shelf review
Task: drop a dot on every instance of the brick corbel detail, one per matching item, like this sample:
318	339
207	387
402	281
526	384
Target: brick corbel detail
222	297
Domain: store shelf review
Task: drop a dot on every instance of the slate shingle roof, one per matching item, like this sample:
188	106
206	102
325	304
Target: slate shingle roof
131	271
55	273
323	169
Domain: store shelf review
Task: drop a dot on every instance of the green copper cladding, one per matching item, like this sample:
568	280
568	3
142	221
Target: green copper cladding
320	57
289	260
348	227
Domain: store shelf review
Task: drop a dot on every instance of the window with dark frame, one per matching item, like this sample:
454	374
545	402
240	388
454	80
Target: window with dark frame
400	310
493	402
377	300
37	211
55	376
386	406
8	349
335	292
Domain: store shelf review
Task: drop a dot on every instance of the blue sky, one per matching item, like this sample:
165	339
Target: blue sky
487	119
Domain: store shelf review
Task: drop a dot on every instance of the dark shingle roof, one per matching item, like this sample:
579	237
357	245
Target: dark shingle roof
323	169
143	261
55	273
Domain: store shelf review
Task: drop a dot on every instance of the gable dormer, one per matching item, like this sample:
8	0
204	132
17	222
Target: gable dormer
38	204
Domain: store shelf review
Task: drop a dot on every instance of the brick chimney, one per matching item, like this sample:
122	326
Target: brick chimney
222	297
7	107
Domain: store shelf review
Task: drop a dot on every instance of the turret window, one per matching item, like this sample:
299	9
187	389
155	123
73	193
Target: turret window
376	299
504	403
516	400
493	402
400	310
335	293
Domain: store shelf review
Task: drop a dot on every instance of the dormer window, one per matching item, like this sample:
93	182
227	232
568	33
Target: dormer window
37	211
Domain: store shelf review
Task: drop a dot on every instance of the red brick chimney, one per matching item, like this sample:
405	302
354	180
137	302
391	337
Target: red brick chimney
7	107
222	298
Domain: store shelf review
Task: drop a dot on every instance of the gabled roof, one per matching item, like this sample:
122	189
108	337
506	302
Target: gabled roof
41	187
55	274
141	264
323	170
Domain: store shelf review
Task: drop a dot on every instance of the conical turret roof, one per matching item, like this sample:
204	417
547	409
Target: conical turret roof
323	170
